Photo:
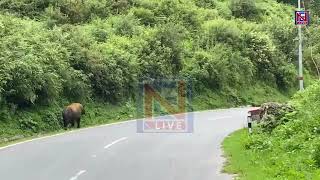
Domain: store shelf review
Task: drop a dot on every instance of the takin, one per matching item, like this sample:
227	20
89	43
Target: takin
72	114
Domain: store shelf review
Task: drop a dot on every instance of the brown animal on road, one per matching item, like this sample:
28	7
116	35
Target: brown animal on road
72	114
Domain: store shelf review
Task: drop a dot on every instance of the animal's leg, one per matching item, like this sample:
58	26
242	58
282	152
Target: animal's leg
72	123
78	122
65	124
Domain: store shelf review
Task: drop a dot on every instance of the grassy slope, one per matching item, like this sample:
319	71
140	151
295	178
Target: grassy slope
239	160
290	151
33	123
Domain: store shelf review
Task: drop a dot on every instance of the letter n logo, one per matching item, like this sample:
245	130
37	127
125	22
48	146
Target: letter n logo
155	101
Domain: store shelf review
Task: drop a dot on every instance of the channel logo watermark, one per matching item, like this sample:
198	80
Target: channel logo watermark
164	105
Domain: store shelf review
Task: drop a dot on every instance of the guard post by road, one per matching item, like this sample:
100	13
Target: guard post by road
249	119
253	114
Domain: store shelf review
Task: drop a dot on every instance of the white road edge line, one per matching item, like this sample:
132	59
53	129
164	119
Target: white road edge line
77	175
115	142
68	132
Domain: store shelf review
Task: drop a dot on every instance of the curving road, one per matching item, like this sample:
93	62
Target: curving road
117	152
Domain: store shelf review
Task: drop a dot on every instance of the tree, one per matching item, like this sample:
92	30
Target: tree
244	9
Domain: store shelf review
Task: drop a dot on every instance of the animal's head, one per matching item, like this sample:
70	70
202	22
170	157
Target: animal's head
83	111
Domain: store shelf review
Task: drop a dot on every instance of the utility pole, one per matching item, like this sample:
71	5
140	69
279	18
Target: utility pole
300	52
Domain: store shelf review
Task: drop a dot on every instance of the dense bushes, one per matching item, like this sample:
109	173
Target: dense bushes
35	66
53	59
207	68
71	11
113	72
147	41
25	7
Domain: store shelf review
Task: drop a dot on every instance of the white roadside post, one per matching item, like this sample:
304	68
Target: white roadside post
249	119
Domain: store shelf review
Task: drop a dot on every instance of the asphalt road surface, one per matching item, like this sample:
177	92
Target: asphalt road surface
118	152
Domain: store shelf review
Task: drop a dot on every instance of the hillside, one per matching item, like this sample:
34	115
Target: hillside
58	51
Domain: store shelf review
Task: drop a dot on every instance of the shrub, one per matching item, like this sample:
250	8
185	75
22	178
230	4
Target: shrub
316	156
283	34
257	143
119	6
244	9
275	114
285	76
220	31
27	123
145	16
77	87
113	72
77	11
25	80
205	3
54	17
30	8
270	64
161	56
222	69
125	25
224	9
51	120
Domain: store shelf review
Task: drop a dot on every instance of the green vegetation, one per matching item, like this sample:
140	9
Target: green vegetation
54	52
44	120
284	145
287	148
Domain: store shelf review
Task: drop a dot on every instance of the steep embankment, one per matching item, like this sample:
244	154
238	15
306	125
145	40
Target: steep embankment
284	147
55	52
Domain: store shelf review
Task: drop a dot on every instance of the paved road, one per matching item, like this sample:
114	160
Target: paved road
117	152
